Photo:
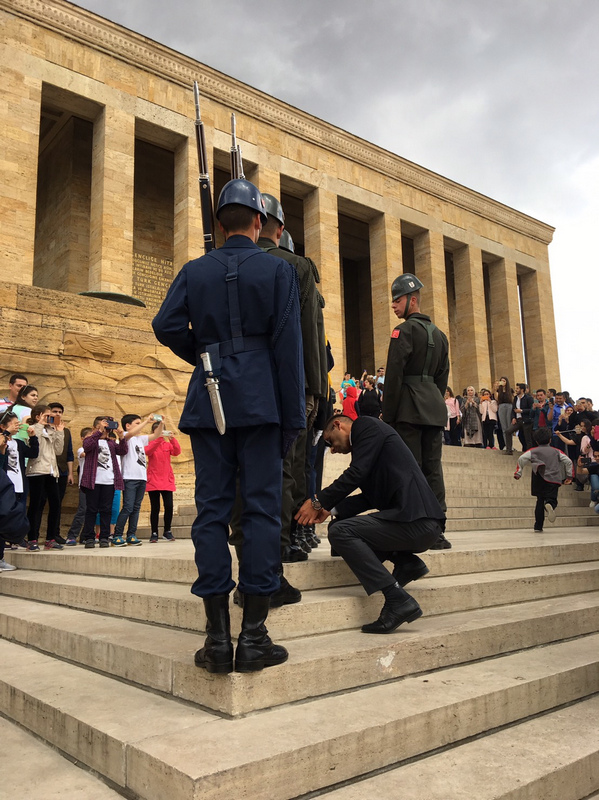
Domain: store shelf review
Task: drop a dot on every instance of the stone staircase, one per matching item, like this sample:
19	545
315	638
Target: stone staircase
493	693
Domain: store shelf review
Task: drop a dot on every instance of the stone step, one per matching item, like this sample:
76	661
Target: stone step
29	763
321	610
162	659
525	521
173	562
553	756
156	748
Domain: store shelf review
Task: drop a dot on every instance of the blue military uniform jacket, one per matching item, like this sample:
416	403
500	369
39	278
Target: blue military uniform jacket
260	344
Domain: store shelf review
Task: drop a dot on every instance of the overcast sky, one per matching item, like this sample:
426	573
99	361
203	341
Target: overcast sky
502	97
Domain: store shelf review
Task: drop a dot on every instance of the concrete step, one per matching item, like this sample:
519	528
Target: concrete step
321	610
472	552
29	763
553	756
492	511
525	521
162	659
156	748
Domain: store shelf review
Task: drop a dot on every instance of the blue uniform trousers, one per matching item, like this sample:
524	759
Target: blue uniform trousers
254	452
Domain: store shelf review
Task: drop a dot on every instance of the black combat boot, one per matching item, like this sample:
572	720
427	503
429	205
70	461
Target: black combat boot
217	653
255	649
286	594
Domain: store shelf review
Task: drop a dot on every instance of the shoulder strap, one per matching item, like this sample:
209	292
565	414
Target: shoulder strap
430	328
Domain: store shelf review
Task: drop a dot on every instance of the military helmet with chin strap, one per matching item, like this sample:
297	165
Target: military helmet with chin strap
273	207
405	284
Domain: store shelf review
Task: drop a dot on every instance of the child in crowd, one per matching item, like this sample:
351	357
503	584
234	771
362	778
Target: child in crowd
12	461
592	470
77	524
101	476
42	474
135	475
161	481
550	468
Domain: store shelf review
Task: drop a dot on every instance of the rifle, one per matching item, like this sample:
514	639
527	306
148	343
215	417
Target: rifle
236	160
204	179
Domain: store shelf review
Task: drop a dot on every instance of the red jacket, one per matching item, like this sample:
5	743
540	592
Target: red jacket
160	472
349	404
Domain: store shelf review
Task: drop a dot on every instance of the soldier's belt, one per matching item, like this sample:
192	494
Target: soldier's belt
418	379
241	345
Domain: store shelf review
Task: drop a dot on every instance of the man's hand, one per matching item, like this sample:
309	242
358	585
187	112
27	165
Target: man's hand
309	516
568	481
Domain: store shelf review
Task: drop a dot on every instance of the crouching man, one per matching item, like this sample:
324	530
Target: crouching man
408	518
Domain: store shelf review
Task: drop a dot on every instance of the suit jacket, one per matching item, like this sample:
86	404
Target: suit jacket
385	470
257	386
526	402
419	403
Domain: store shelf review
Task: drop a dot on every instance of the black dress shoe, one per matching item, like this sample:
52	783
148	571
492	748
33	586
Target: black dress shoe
409	570
393	615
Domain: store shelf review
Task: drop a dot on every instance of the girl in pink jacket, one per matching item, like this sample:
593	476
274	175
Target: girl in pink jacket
161	481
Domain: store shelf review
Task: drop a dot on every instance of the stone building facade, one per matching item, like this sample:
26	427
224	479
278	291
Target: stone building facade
99	192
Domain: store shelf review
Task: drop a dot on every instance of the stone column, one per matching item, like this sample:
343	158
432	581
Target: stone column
321	241
111	215
189	233
505	325
429	258
539	329
385	265
20	109
472	364
267	180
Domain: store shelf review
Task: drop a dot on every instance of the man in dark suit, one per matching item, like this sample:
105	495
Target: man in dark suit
241	306
408	518
521	420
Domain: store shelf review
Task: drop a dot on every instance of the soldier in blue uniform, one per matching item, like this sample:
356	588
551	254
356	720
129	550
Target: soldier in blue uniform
241	306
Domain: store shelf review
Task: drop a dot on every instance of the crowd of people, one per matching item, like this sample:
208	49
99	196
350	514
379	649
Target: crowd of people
116	464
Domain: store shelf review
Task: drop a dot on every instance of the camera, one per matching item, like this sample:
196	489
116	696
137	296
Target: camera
51	420
167	433
157	417
112	425
584	461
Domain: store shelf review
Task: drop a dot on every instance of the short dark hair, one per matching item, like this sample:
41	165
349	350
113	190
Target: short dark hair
541	390
16	377
97	419
271	226
85	432
236	218
128	419
56	405
329	423
589	400
521	386
37	411
542	435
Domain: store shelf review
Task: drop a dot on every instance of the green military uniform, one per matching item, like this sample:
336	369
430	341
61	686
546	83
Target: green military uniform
413	401
316	385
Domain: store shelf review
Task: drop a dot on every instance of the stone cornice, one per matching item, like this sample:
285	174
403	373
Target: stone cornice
100	34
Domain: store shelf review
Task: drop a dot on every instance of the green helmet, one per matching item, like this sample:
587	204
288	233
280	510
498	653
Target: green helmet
286	242
405	284
274	208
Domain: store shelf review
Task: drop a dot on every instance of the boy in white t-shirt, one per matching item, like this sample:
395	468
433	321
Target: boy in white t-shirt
77	524
135	476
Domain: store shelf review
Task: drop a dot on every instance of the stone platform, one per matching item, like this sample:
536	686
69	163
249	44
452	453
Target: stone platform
491	694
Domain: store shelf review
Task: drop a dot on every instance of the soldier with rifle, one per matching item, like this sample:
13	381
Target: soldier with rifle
316	388
234	314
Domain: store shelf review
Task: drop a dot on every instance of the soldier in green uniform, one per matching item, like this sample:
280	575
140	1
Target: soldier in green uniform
316	388
415	384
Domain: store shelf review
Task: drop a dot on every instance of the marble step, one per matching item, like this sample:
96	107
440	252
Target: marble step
320	611
162	658
553	756
173	562
154	747
28	762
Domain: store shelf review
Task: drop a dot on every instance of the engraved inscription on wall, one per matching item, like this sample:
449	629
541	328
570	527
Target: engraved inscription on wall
152	277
